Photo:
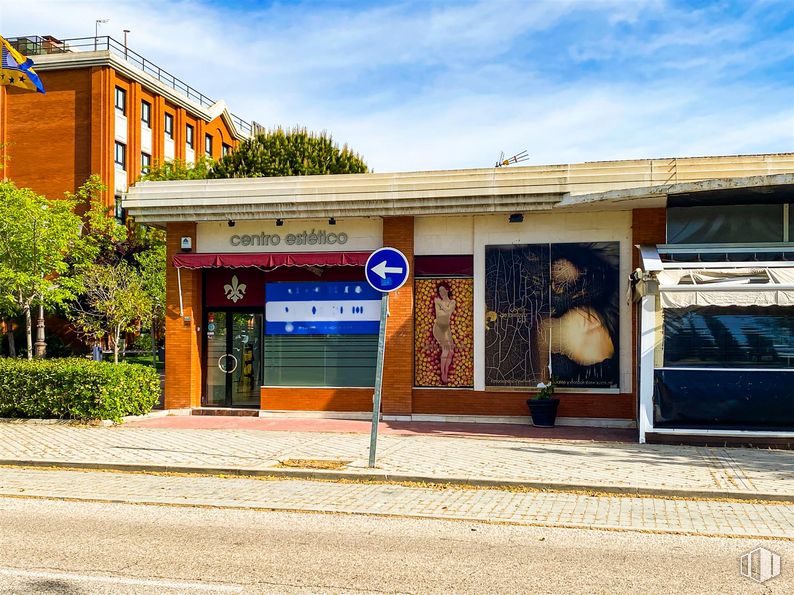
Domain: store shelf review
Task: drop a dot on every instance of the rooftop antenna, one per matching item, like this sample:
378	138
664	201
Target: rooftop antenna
98	22
517	158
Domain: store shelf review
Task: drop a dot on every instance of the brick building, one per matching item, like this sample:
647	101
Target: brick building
107	110
518	274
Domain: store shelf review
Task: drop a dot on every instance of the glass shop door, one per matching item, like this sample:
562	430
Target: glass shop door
233	360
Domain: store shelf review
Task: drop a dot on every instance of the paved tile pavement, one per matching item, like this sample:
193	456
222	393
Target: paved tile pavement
657	469
405	428
705	517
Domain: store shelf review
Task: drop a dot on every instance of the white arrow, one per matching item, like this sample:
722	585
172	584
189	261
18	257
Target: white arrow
381	269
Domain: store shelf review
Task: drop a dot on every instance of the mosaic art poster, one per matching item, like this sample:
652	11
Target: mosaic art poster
443	334
552	310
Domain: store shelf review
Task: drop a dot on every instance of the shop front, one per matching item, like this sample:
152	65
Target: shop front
717	299
286	310
519	277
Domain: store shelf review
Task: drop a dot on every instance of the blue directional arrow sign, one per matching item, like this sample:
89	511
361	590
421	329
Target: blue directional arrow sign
386	269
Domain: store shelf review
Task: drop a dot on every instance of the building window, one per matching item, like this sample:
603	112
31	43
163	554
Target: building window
225	149
189	135
121	101
146	113
726	224
169	126
208	145
121	156
146	162
729	337
118	212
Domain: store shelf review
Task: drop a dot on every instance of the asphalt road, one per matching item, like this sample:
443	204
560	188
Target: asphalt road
49	546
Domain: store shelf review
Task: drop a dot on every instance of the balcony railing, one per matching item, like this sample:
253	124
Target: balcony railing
35	45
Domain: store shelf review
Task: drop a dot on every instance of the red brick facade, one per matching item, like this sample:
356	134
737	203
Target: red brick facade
398	369
183	362
183	378
52	143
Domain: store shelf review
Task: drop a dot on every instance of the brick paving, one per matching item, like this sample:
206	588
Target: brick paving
704	517
744	473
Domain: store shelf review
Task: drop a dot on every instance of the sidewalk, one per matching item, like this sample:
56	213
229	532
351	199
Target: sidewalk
544	509
610	467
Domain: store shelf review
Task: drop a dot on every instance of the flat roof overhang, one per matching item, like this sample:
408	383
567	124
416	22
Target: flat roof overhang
615	185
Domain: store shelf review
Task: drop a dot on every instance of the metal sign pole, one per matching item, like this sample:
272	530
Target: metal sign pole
373	439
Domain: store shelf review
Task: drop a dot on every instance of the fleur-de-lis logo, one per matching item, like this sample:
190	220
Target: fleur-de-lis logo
235	291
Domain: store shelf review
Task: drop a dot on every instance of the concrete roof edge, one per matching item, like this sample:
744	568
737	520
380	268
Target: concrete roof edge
665	190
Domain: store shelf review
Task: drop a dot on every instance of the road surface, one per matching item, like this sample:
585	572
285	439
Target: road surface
52	546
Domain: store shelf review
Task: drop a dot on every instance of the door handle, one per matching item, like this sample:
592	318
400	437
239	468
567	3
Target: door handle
220	365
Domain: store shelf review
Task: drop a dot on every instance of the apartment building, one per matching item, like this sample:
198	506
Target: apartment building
107	110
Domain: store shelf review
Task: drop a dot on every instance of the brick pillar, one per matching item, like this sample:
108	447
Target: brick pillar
179	134
183	383
102	130
198	138
648	226
3	133
134	133
398	371
158	130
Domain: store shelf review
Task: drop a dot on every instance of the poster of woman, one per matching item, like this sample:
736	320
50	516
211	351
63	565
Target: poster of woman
444	306
444	333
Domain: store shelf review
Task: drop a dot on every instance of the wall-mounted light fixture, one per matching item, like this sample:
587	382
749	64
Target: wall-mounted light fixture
279	222
231	223
332	221
516	218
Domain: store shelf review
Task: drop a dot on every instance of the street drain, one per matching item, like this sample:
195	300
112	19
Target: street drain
312	463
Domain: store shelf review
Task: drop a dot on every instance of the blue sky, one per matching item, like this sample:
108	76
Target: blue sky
438	85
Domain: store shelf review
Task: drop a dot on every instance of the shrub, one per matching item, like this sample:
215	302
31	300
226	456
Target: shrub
76	389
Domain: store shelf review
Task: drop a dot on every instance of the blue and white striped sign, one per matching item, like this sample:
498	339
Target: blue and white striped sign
321	308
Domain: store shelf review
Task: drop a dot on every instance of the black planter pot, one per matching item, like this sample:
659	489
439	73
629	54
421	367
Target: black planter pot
543	411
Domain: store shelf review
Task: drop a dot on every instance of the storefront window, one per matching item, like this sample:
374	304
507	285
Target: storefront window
732	337
552	310
725	224
322	334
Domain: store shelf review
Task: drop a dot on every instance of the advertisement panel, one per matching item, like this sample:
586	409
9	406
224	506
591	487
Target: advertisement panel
321	308
552	311
443	334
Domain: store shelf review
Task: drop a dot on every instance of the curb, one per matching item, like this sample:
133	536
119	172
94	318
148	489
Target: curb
105	423
382	476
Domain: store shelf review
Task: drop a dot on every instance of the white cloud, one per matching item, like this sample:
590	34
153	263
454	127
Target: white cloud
432	85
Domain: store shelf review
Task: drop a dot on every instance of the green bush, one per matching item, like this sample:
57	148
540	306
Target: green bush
76	389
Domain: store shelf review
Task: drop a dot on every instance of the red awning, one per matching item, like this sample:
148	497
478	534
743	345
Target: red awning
270	260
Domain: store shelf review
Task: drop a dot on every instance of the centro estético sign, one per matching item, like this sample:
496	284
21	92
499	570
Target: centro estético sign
305	238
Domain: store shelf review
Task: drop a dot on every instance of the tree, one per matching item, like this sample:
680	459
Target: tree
295	152
119	275
103	236
179	170
113	303
38	237
151	267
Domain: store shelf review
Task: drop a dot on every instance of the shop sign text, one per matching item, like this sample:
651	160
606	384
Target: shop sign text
305	238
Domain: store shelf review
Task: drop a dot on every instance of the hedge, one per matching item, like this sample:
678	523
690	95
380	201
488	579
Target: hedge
76	389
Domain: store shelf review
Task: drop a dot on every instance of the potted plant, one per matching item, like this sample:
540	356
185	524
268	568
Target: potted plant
543	405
